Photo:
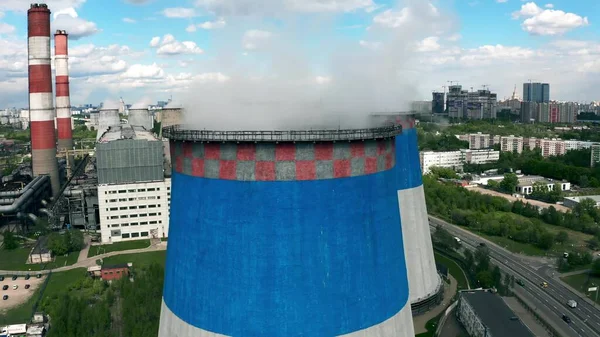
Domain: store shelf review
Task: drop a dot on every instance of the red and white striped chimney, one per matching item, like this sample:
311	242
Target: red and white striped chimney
63	101
41	110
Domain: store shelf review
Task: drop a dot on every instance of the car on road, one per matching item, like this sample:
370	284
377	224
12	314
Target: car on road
457	239
572	303
14	277
27	286
520	282
544	284
566	319
5	297
15	287
5	287
482	244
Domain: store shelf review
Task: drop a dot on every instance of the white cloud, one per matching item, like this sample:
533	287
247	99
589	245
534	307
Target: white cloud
374	45
541	21
191	28
129	20
67	19
179	12
54	5
90	60
220	23
170	46
250	7
137	2
392	19
501	1
322	79
549	6
1	14
144	71
428	44
5	28
254	39
454	37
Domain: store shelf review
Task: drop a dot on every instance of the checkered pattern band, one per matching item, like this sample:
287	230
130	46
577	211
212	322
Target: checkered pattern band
407	122
282	161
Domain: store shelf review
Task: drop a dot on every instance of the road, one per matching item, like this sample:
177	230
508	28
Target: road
534	271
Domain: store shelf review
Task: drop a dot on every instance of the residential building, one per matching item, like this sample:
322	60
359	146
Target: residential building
529	112
511	144
480	141
536	92
549	147
114	272
571	202
527	184
595	160
437	103
577	145
448	159
485	314
456	102
479	157
133	193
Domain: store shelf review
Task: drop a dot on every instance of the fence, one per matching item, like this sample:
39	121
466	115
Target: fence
40	296
179	134
530	308
442	321
24	272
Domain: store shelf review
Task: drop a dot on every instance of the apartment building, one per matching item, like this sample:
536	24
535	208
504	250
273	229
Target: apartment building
511	144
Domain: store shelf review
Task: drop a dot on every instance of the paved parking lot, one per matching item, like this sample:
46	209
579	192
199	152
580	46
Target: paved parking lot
20	295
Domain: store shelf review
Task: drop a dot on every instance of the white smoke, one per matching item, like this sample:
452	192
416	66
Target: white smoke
109	104
143	103
357	79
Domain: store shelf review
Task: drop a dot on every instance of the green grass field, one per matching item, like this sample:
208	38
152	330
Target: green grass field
139	259
117	247
582	282
16	260
20	314
454	270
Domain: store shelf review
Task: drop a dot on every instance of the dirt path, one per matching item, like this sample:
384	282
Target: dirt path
84	252
542	204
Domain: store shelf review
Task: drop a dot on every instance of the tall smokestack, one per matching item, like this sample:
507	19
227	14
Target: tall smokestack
63	101
43	142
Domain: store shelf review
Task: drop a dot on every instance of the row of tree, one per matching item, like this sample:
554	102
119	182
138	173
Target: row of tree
69	241
96	309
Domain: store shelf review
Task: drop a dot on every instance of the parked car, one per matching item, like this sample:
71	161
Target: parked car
15	287
5	297
1	278
27	277
14	277
566	319
5	287
572	303
39	276
27	286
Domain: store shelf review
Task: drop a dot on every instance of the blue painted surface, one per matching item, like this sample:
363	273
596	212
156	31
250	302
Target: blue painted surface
408	166
311	258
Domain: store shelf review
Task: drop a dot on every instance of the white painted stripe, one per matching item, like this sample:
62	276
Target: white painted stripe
63	112
61	66
400	325
423	279
39	47
39	62
42	115
41	100
63	102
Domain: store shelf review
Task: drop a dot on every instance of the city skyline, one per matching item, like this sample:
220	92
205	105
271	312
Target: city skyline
157	48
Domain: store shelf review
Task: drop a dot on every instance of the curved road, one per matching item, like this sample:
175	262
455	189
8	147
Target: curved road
534	271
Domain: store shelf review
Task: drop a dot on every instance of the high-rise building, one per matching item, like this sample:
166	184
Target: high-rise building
529	111
536	92
437	104
456	102
511	144
480	104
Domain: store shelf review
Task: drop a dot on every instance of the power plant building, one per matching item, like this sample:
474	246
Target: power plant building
284	234
133	193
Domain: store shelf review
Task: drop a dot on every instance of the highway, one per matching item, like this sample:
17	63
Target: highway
552	300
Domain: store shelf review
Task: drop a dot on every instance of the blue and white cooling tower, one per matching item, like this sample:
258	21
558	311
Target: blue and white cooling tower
426	287
279	234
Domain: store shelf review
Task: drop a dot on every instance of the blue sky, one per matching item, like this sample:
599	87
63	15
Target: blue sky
154	48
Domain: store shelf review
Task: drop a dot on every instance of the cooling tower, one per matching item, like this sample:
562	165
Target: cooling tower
424	282
284	234
170	115
41	108
140	117
107	118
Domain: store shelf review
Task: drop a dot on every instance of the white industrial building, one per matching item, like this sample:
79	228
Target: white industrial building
456	159
134	211
527	184
134	193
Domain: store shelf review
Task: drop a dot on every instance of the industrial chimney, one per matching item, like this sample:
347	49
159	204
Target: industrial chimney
63	101
43	142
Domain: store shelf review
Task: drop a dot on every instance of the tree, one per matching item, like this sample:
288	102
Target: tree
444	239
485	279
562	237
57	244
443	172
546	241
509	183
594	243
493	184
10	240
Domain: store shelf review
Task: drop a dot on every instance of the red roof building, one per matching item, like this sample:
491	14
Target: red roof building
114	272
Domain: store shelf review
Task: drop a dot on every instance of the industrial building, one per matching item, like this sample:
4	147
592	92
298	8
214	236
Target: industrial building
456	159
133	192
571	202
527	184
305	218
484	314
